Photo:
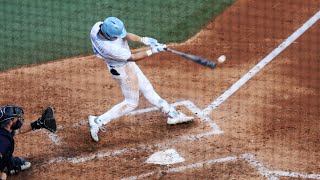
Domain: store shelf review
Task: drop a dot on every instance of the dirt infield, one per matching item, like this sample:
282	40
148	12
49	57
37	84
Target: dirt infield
267	129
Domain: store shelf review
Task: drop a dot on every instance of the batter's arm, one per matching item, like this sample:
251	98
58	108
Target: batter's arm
148	41
140	50
133	37
143	53
139	54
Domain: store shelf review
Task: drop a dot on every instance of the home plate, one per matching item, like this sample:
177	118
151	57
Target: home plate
169	156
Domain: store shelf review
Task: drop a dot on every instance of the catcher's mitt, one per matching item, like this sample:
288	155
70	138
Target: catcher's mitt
46	121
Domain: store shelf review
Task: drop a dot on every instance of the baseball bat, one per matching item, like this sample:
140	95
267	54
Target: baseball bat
199	60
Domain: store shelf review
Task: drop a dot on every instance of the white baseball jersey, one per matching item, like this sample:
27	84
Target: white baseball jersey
115	53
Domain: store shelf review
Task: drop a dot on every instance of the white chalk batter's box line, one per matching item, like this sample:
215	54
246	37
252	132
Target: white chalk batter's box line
188	104
204	118
268	174
215	130
204	115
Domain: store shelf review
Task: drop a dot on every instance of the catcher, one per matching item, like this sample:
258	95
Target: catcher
12	123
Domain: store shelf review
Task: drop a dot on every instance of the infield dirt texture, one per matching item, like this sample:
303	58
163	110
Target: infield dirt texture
267	129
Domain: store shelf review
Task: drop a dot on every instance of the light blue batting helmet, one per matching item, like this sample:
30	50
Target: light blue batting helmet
113	27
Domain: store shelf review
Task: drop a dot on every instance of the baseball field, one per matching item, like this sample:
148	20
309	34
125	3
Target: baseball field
257	114
38	31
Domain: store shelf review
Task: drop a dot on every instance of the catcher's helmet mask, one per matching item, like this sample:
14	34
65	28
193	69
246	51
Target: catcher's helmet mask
8	113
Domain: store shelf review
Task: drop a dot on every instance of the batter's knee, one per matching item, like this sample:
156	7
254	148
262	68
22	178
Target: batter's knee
132	104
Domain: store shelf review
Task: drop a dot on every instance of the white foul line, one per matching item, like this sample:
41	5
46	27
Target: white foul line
296	175
262	63
269	174
256	164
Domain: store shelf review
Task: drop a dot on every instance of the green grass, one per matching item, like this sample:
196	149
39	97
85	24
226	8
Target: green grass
36	31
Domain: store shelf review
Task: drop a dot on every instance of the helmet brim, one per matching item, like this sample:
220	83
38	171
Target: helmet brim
123	34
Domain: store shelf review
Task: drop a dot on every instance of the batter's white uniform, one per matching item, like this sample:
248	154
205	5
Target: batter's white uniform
127	74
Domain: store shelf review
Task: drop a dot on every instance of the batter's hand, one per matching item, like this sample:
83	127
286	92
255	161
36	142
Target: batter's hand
149	41
158	48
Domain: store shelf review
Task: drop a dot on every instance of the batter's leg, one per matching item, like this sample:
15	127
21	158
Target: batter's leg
128	80
130	90
174	117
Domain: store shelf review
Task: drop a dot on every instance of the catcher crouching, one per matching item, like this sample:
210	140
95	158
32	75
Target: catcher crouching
12	123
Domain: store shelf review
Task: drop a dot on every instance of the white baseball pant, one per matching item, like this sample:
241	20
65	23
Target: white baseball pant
132	80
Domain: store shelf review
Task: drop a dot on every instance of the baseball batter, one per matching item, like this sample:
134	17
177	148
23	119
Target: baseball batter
110	43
